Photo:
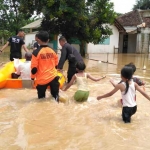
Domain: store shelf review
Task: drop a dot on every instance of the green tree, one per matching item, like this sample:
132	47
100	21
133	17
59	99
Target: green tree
4	34
86	21
142	4
11	18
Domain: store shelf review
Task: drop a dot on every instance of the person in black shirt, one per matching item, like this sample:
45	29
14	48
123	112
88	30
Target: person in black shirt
66	50
36	45
16	43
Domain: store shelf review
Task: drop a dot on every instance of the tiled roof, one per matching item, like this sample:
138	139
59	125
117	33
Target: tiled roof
119	26
130	19
135	18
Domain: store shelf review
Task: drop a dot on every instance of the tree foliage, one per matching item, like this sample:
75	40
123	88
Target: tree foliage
142	4
5	34
86	21
11	18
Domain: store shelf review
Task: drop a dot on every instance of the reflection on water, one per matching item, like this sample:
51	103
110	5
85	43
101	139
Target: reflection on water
27	123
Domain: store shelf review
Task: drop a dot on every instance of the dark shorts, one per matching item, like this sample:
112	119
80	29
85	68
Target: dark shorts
127	112
15	55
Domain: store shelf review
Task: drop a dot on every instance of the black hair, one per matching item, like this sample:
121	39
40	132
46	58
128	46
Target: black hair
127	73
43	36
131	64
62	38
80	66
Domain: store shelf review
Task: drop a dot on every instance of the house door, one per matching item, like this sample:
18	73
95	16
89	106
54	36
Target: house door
125	43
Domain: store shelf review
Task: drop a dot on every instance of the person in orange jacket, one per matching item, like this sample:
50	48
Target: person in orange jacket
43	67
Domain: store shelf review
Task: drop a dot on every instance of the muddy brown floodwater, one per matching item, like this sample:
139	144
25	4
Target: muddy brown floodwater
27	123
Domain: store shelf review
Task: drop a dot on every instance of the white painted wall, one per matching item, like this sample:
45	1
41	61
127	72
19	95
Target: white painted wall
29	38
98	48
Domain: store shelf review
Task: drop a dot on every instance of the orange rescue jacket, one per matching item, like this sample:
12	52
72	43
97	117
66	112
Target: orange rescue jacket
44	60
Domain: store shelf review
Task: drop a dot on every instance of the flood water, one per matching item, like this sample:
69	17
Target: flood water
27	123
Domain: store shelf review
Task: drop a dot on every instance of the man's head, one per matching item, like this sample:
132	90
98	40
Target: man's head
28	56
42	37
62	40
21	33
36	37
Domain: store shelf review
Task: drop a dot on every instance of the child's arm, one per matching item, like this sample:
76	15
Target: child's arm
95	79
142	91
70	83
116	88
112	82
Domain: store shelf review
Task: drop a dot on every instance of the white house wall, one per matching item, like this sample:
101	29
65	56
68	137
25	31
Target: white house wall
29	39
98	48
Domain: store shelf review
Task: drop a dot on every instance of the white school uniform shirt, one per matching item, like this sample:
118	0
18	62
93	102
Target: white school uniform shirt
129	99
24	70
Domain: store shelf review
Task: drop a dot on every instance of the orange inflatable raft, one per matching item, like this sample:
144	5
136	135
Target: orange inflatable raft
7	82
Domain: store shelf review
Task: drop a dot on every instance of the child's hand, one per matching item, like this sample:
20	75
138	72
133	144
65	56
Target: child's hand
99	97
111	80
63	89
143	83
103	77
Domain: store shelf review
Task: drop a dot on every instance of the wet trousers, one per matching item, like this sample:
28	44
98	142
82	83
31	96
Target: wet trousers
127	112
71	72
54	88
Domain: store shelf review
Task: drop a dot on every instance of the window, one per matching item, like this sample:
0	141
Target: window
105	42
